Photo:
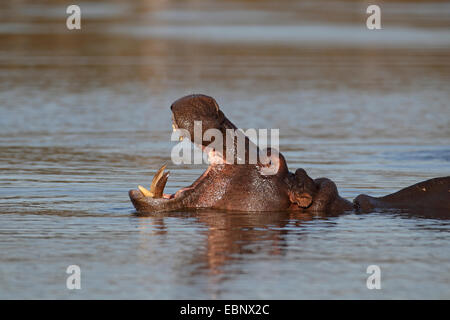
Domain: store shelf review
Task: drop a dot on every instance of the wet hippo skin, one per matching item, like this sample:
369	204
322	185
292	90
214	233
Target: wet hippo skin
429	194
319	195
228	185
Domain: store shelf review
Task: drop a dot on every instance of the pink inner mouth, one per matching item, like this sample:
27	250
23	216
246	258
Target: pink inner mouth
214	158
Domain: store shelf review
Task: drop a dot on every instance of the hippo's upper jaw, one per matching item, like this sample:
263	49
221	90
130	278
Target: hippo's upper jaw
224	185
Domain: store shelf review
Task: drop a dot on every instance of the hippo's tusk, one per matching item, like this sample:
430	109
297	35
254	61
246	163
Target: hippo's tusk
145	192
156	178
158	183
159	186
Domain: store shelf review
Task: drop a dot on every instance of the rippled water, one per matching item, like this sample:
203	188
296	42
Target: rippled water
84	117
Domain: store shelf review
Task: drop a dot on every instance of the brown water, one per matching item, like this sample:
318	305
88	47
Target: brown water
84	117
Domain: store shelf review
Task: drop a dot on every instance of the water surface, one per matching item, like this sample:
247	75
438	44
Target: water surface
84	117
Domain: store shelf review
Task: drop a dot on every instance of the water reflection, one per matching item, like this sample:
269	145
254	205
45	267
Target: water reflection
225	249
232	236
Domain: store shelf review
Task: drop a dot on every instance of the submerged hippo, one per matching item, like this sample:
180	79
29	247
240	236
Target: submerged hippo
230	183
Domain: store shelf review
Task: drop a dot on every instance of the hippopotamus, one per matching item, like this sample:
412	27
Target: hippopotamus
235	183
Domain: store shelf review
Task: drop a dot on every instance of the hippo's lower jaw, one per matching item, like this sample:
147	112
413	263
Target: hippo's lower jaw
222	186
146	204
145	201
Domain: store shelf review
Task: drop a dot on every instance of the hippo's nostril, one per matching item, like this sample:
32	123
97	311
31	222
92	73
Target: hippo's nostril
363	203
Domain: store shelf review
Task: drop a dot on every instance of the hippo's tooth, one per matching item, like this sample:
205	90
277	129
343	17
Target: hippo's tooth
159	187
156	178
174	128
145	192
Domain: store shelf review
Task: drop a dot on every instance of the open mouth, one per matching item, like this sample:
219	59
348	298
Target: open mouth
157	186
155	196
